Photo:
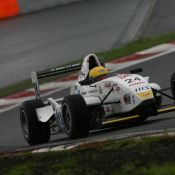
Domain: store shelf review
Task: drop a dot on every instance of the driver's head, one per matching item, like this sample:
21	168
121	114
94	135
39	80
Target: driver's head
98	71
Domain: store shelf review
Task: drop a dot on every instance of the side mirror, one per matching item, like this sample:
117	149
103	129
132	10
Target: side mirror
134	71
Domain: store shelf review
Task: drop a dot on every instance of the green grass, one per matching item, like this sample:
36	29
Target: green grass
163	169
145	156
24	169
15	88
130	48
138	45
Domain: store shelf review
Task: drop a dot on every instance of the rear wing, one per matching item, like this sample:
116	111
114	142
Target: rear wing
51	72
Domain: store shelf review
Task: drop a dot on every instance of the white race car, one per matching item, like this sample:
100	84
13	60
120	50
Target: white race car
92	103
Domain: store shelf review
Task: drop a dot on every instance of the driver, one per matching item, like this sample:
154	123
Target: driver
97	72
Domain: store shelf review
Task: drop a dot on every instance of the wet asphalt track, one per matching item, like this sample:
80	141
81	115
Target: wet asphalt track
161	19
159	70
43	39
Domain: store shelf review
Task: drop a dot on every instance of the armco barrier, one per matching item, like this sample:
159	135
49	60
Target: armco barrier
8	8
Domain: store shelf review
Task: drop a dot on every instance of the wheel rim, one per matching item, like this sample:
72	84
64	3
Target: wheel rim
67	118
24	125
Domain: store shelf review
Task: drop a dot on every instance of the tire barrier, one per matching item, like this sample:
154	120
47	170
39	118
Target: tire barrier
10	8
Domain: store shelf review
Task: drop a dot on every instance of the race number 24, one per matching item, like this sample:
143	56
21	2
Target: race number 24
132	80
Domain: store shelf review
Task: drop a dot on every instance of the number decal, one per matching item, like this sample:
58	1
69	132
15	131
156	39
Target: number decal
129	80
132	80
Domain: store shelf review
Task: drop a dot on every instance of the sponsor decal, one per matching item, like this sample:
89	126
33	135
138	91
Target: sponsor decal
82	74
145	95
142	88
127	99
123	76
108	109
92	91
84	93
108	85
133	100
116	87
100	90
65	67
135	84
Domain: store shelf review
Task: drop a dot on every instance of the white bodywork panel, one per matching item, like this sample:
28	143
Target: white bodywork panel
155	86
91	101
44	113
147	79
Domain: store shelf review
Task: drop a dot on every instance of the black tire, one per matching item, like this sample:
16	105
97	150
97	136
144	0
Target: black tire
34	132
75	116
173	84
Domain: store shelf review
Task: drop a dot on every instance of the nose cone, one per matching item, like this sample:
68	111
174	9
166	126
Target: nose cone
135	85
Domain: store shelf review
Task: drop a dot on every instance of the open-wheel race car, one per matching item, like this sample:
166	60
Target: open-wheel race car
97	99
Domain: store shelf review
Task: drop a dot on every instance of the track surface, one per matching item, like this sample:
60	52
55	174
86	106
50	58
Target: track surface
58	35
82	35
10	132
161	20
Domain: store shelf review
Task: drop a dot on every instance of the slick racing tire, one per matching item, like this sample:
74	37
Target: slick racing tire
173	84
34	131
75	116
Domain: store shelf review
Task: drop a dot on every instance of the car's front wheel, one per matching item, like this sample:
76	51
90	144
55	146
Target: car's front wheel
75	116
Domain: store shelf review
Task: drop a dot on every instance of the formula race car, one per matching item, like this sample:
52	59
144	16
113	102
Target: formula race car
98	99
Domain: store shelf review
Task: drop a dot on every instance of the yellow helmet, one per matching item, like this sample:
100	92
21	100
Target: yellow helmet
97	72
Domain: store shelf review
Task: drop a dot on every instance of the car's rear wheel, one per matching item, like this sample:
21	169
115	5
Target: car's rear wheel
34	131
75	116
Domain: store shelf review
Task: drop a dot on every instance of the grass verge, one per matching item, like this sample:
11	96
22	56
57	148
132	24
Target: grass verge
145	156
130	48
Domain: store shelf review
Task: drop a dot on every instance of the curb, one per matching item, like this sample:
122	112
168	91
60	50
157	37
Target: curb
85	142
14	100
137	135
